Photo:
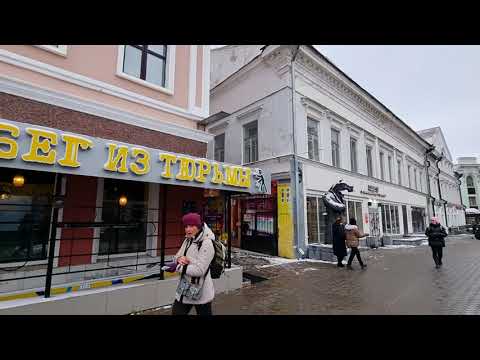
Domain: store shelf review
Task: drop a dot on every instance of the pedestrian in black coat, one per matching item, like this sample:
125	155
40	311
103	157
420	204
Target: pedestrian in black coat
338	235
436	234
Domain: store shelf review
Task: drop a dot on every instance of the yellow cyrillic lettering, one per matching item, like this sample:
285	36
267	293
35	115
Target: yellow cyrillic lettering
203	170
113	160
245	177
231	175
217	174
13	151
169	160
187	169
50	138
143	160
72	143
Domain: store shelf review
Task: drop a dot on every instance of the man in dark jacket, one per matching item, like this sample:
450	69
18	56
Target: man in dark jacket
338	235
436	234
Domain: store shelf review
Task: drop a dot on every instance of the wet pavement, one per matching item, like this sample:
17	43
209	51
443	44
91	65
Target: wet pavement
397	281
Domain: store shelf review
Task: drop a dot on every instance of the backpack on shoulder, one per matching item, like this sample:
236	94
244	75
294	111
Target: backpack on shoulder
217	266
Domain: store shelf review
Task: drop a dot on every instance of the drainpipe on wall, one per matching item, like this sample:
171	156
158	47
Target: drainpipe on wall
440	191
296	208
459	176
429	197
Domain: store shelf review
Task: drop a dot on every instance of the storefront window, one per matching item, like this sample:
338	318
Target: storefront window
418	219
312	220
354	210
125	227
25	214
390	219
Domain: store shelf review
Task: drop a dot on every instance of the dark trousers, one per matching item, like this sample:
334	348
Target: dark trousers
340	259
437	252
354	252
183	309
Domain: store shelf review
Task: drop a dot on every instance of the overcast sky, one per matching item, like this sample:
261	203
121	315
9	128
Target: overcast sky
426	86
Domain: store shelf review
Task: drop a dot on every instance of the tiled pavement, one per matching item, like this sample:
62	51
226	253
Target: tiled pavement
397	281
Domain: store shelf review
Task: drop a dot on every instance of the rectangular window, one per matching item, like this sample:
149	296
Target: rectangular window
390	219
369	161
471	191
146	62
335	148
473	201
409	177
312	133
25	214
382	166
250	142
415	178
128	233
354	210
399	164
421	181
390	173
219	144
353	155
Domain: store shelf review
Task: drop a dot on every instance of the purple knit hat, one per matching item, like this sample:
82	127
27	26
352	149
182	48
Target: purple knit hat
192	219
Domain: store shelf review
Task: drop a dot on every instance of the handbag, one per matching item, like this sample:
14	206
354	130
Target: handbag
188	289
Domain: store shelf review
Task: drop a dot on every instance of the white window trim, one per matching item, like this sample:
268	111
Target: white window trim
61	50
244	125
169	71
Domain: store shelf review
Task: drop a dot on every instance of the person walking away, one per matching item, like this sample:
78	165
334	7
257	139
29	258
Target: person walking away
436	234
352	236
195	288
338	241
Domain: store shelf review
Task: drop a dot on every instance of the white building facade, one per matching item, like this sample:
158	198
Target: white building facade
341	133
446	201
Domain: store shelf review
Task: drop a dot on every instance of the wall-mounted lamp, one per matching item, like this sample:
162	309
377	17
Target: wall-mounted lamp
122	201
18	180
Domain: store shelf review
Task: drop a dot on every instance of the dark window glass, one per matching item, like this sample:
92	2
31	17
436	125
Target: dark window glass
312	132
219	147
312	220
250	142
125	230
353	155
369	161
335	148
25	214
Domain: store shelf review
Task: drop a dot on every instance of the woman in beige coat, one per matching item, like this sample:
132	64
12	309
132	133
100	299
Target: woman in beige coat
352	236
193	262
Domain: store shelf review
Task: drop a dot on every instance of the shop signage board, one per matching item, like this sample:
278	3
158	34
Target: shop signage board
33	147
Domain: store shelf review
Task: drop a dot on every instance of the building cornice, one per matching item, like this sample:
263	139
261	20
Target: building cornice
33	92
316	73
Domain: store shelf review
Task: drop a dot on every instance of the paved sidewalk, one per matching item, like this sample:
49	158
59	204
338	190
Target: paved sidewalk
397	281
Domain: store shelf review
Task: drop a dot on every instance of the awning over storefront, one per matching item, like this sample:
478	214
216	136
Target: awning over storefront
33	147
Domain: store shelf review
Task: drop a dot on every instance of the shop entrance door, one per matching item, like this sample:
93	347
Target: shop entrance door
259	225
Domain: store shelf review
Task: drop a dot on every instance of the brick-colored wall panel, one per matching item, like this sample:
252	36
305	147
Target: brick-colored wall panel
20	109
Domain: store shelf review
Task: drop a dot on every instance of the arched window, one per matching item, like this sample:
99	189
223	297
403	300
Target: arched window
470	181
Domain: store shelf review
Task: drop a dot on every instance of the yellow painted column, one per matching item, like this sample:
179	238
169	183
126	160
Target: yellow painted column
285	221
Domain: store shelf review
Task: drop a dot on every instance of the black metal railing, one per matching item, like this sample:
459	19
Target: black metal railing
127	242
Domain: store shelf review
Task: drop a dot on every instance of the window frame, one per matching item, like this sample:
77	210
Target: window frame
369	151
246	127
354	158
215	147
390	169
382	165
60	50
313	139
399	172
335	150
169	70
